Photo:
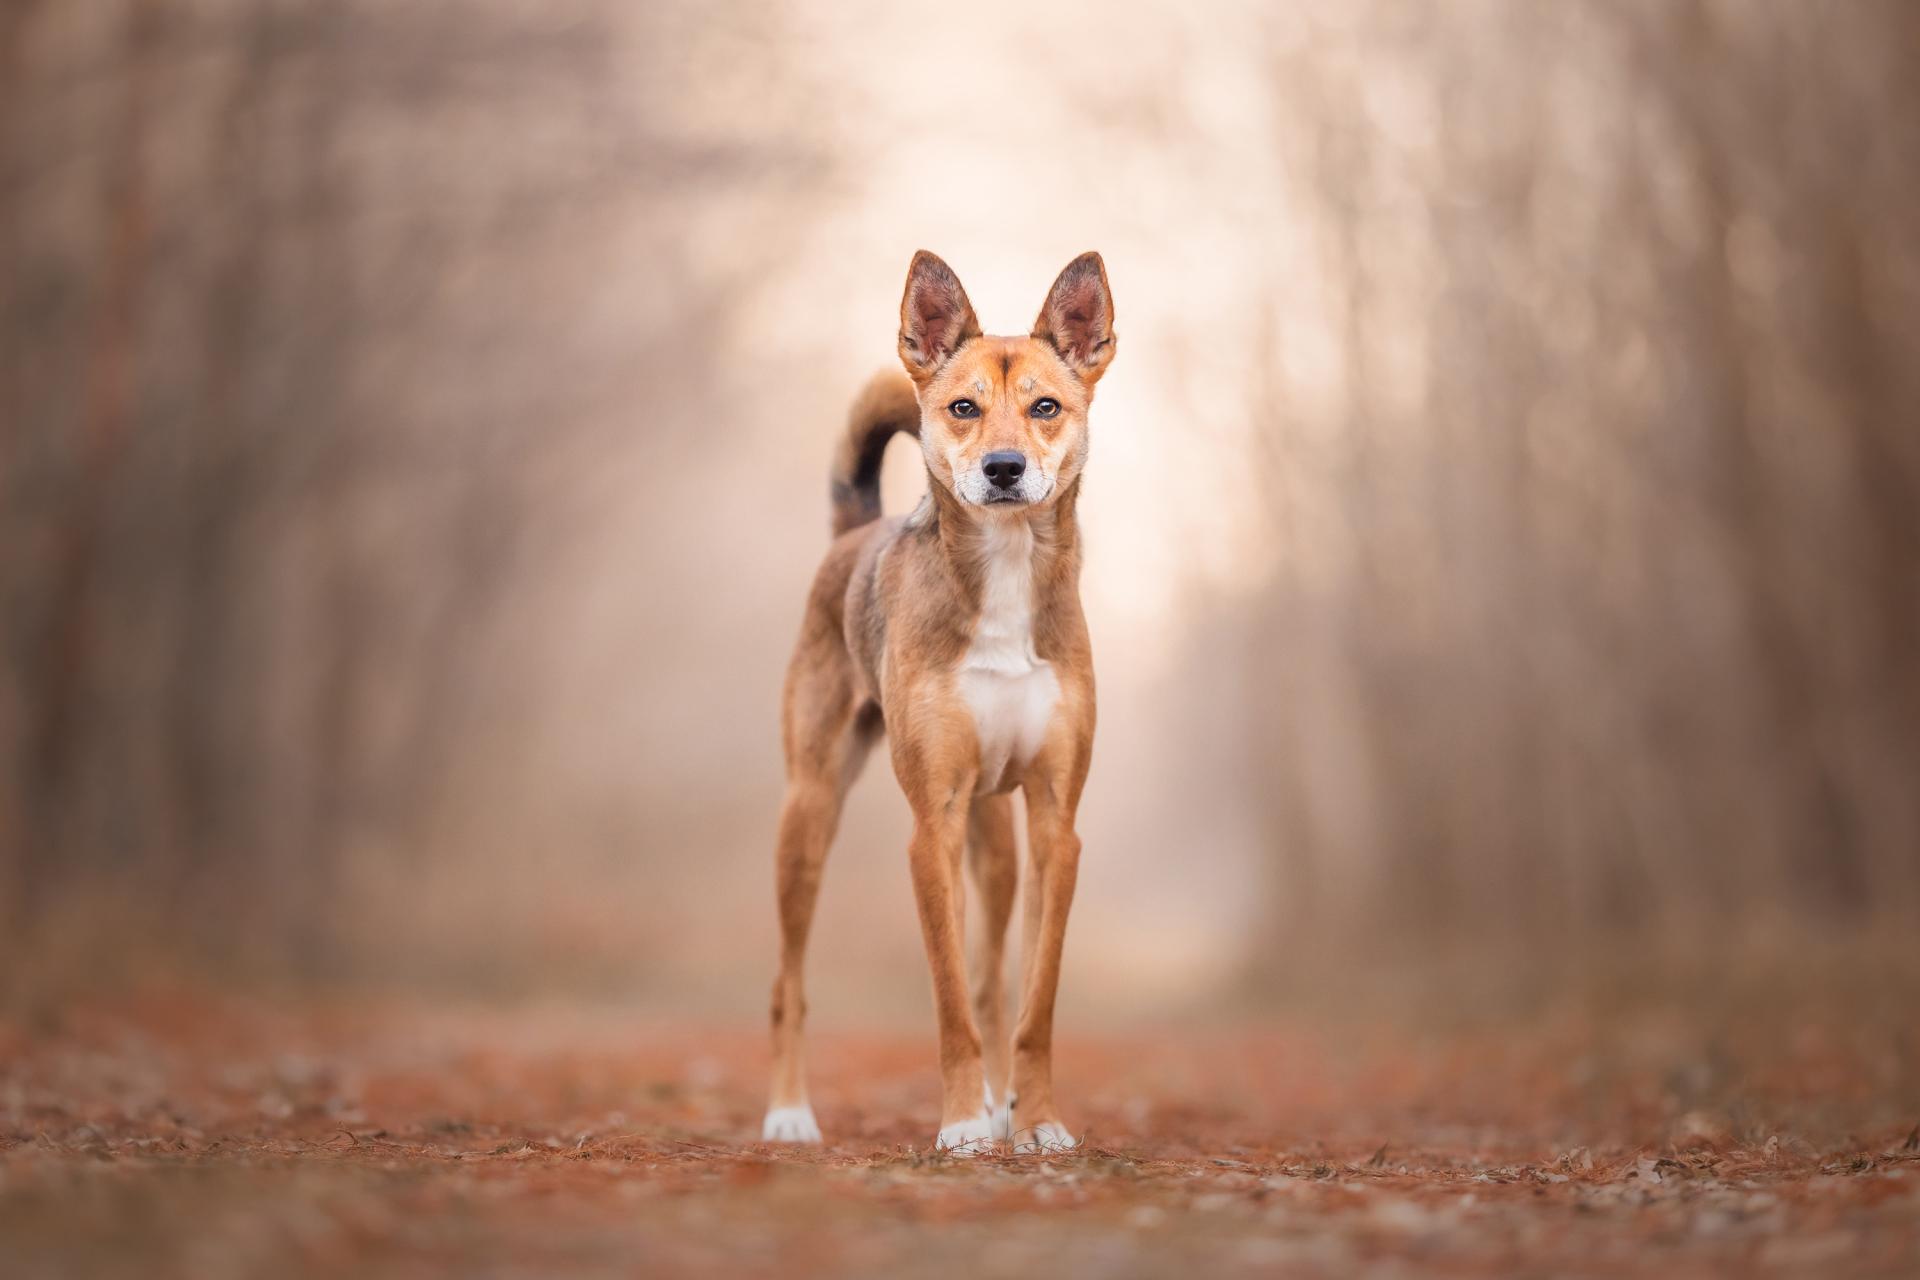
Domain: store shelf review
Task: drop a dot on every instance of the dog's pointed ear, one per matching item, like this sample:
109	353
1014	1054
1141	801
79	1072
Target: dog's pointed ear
935	316
1077	317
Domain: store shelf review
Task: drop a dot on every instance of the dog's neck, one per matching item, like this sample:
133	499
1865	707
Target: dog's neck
966	533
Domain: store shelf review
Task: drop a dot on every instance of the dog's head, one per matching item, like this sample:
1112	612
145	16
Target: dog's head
1003	421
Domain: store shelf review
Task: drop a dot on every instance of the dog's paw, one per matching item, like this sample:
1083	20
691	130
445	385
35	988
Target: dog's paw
967	1137
790	1124
1044	1139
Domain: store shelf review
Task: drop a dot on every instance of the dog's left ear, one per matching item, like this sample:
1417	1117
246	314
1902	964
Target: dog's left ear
1077	317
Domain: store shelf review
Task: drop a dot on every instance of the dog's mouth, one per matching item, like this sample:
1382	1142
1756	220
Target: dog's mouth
1037	490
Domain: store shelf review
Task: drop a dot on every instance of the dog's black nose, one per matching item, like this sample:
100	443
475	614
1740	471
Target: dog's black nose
1004	468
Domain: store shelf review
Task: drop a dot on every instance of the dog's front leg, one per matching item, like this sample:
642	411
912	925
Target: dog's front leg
939	840
1055	855
993	858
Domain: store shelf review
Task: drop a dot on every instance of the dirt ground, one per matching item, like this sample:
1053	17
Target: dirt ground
193	1137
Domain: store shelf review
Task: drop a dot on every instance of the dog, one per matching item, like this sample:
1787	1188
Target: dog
956	633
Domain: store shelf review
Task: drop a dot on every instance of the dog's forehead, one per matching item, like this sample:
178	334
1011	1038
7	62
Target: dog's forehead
1022	364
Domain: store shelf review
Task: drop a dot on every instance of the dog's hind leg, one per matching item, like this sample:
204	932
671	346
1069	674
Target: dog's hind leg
827	736
993	861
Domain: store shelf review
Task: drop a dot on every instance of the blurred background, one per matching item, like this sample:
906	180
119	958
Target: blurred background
1503	516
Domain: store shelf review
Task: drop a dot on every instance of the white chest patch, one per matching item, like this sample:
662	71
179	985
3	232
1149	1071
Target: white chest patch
1009	689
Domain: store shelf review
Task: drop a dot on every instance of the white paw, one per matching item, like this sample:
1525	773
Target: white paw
1044	1138
968	1137
790	1124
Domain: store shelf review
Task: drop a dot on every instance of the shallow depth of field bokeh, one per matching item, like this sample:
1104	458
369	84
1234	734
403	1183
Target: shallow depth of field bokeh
1503	515
1502	520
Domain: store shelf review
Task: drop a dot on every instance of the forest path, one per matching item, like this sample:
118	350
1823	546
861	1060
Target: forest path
177	1136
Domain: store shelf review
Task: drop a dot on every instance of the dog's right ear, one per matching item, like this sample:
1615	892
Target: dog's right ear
935	316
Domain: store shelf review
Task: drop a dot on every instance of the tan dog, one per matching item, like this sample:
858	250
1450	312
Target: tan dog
958	633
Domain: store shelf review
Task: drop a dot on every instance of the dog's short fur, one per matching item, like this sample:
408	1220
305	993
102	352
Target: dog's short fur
958	633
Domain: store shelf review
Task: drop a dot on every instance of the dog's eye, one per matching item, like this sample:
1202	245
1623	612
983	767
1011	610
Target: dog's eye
964	409
1045	409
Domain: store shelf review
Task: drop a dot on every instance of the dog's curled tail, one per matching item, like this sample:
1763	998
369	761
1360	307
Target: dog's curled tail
884	406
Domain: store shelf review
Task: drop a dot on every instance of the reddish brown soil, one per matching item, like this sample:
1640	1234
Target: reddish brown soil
193	1138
